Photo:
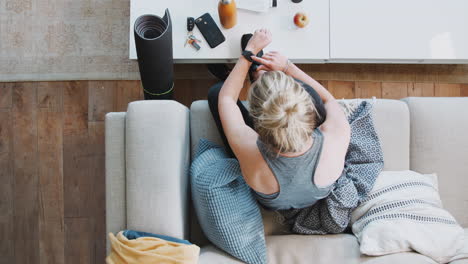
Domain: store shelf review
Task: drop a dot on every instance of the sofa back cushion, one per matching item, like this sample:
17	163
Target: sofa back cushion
439	144
391	119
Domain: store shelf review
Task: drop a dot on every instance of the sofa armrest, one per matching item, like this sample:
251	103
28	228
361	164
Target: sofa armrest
115	173
157	158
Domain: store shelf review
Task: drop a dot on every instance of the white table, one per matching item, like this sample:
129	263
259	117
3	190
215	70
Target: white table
306	45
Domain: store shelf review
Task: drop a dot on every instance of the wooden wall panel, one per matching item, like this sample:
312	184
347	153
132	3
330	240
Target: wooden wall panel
368	89
464	90
447	90
342	89
421	89
395	90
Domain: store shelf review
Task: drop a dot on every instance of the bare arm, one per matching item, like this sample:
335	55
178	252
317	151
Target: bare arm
239	135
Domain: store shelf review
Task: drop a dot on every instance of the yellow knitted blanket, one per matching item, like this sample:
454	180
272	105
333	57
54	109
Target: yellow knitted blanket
150	250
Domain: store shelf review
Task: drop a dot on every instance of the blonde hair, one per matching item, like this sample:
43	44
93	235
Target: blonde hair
283	112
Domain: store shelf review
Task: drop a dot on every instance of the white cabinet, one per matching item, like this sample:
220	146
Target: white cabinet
406	31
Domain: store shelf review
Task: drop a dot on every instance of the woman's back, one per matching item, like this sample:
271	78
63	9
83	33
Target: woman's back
294	175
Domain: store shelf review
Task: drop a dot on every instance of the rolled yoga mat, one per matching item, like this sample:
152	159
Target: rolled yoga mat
153	42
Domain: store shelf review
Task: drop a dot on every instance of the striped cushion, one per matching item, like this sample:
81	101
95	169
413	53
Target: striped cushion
226	209
403	212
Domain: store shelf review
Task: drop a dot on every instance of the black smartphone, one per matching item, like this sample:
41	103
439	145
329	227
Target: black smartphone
210	30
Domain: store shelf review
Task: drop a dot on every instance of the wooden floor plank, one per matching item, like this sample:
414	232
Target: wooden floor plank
52	135
126	92
50	95
447	89
75	107
101	98
25	162
5	95
342	89
368	89
7	249
79	240
182	92
50	162
394	90
188	91
97	171
77	182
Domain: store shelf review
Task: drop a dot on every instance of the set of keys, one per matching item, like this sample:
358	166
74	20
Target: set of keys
191	39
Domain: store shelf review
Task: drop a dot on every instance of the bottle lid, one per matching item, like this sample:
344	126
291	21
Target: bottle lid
225	2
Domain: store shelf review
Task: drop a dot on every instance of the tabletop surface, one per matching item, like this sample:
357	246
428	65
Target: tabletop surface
309	44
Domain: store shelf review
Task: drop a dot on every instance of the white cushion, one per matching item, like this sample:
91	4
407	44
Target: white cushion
403	212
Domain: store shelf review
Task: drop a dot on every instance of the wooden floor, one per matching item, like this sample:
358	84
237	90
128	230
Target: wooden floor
52	200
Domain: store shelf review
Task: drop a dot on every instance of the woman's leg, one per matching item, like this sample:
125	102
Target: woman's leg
213	94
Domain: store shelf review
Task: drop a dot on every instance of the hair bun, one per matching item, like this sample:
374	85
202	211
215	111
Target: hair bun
283	112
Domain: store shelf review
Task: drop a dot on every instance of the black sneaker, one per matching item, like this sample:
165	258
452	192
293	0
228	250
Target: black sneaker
244	40
219	70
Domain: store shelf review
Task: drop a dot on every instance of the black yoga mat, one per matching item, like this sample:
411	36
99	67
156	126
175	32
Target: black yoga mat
153	42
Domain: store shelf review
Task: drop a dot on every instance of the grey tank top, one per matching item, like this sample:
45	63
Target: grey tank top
295	176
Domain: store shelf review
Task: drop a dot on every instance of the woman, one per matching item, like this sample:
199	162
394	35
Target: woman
286	154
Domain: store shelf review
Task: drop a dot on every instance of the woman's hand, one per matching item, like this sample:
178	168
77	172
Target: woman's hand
260	39
272	61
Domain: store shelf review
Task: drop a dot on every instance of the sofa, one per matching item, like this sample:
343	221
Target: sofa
149	148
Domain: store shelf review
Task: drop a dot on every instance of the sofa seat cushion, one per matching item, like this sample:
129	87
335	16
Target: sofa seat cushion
211	254
329	249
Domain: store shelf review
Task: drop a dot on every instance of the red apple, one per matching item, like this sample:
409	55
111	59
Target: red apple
301	20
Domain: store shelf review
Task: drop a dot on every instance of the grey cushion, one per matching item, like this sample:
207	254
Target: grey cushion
225	206
439	143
